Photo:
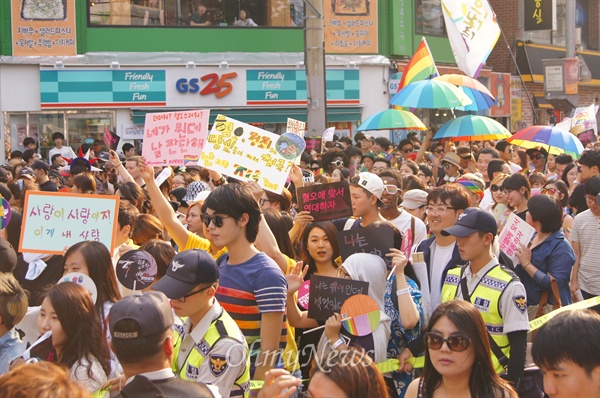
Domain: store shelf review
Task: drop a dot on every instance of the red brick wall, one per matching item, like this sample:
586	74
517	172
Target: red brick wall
507	16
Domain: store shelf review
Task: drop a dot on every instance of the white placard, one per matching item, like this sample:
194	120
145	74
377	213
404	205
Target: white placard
514	232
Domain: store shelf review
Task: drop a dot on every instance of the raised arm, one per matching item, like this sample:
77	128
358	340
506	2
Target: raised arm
125	176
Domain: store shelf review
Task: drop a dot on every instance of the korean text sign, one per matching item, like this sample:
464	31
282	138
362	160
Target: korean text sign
325	201
515	231
55	220
327	295
175	138
43	28
351	27
246	153
374	240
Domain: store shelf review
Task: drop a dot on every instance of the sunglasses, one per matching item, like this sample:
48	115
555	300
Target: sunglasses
457	343
407	150
447	165
550	191
438	151
538	156
184	298
496	188
391	189
338	163
216	220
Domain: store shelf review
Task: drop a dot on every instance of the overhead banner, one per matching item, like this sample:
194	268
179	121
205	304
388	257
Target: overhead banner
248	153
351	27
43	28
473	32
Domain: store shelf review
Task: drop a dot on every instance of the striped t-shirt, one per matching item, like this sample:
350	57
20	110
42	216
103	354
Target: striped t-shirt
249	289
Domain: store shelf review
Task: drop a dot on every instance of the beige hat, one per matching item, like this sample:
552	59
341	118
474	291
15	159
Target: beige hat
414	199
452	158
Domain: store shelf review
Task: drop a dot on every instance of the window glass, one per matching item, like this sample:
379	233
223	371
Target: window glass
192	13
429	19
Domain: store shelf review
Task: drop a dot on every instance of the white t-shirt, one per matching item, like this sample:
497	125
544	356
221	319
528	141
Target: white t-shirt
403	223
514	168
586	232
440	256
65	152
487	199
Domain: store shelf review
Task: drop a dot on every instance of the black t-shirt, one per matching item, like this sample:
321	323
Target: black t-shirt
48	186
577	199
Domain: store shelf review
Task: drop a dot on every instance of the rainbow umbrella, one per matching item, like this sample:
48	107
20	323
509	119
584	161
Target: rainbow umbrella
392	119
477	92
433	94
472	128
554	139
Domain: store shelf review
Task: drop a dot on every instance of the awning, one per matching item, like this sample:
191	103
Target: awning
539	101
254	115
530	56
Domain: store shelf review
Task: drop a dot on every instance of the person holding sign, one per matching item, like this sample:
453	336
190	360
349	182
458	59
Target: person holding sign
548	254
518	189
495	290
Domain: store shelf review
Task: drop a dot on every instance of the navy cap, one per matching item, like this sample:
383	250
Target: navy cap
187	270
150	314
473	219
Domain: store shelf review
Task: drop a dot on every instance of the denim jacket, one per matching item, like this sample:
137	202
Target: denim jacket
11	347
553	256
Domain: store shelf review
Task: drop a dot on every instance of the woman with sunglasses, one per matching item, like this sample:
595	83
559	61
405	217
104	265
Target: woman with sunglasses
457	358
558	189
500	207
518	192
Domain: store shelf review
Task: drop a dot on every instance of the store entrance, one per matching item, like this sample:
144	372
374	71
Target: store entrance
88	128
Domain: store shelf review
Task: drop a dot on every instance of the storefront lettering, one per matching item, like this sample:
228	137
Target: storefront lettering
215	84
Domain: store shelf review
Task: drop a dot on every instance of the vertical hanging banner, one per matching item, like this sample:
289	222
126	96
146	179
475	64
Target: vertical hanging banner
351	27
248	153
473	32
500	89
515	104
175	138
43	28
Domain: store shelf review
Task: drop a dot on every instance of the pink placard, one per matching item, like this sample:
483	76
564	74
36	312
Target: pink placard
303	295
175	138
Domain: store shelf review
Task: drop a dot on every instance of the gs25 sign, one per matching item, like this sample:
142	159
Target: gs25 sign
208	84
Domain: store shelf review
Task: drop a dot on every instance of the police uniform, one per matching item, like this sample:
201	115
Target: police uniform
214	352
499	296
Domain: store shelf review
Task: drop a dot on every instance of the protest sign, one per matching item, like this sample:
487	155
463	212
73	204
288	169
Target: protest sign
327	295
514	232
175	138
163	176
371	240
290	146
55	220
111	140
246	153
325	201
360	315
304	295
295	126
328	134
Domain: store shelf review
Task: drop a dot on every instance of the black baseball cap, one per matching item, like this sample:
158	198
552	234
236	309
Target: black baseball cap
40	165
187	270
149	312
473	219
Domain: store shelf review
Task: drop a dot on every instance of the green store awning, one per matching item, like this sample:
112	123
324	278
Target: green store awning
250	115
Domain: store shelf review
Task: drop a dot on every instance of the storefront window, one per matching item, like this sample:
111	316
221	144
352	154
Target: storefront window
222	13
558	37
429	19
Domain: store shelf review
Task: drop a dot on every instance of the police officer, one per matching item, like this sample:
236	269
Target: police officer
494	289
209	346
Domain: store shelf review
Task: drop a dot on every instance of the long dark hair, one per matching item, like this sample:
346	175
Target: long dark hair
100	269
277	224
330	231
81	323
483	381
133	193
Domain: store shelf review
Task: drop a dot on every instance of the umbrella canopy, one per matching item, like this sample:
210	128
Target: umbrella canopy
392	119
554	139
431	94
477	92
472	128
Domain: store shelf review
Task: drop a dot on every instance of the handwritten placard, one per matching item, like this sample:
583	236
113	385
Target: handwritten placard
55	220
514	232
295	126
327	295
175	138
246	153
325	201
371	240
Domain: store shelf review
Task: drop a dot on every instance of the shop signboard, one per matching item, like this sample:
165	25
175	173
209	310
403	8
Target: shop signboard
351	27
288	87
46	29
540	15
93	88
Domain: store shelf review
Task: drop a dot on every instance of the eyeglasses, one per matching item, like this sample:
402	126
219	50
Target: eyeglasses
441	209
438	151
447	165
317	168
538	156
391	189
184	298
338	163
216	220
262	201
548	191
590	198
457	343
496	188
407	150
113	170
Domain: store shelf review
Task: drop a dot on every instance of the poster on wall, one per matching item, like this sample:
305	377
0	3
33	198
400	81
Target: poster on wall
351	27
43	28
500	89
515	104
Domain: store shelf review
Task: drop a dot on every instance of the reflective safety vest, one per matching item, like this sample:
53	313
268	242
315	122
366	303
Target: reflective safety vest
486	297
222	327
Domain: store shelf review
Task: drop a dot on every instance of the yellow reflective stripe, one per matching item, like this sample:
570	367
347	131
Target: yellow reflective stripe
539	322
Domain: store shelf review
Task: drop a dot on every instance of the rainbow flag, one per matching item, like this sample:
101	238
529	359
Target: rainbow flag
420	67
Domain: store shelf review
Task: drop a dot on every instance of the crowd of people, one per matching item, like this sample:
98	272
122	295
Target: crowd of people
222	318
